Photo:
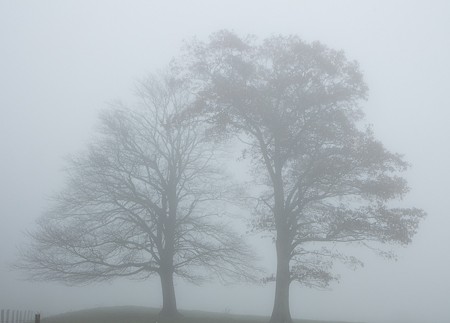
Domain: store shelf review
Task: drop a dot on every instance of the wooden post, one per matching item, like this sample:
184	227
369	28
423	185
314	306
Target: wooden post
37	318
3	316
7	316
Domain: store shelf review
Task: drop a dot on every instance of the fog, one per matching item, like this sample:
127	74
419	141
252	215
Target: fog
63	61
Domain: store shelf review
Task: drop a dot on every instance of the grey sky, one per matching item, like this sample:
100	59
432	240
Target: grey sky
62	61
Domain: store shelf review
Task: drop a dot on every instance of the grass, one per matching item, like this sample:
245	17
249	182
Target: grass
130	314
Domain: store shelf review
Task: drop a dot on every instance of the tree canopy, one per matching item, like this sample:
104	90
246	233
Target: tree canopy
137	203
297	106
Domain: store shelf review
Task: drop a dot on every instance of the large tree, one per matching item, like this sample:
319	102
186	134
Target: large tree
327	180
138	202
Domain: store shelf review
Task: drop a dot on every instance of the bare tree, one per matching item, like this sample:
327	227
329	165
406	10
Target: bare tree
138	203
327	179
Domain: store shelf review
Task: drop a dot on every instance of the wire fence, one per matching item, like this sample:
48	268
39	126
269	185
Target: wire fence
19	316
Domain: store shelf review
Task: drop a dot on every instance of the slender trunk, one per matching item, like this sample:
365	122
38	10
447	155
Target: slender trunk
281	312
169	308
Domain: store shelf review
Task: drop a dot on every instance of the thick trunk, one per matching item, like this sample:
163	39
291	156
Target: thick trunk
281	312
169	308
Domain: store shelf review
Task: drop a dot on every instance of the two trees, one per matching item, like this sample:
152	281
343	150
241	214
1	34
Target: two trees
133	204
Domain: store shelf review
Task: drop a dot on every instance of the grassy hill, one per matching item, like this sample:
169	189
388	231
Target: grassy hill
130	314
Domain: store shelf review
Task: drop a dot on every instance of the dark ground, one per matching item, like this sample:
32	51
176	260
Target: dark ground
149	315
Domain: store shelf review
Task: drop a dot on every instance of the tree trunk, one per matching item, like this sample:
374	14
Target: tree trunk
169	308
281	312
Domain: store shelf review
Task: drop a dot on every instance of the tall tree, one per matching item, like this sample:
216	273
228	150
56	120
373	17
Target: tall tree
327	179
138	203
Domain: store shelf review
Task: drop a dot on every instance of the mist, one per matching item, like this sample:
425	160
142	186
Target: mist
64	62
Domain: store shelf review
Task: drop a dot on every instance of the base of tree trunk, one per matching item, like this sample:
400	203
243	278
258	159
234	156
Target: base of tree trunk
280	318
169	314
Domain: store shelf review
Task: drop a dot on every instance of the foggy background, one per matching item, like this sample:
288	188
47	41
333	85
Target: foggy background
62	61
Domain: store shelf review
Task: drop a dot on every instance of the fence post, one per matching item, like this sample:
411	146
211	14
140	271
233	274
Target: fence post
7	316
37	318
3	316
